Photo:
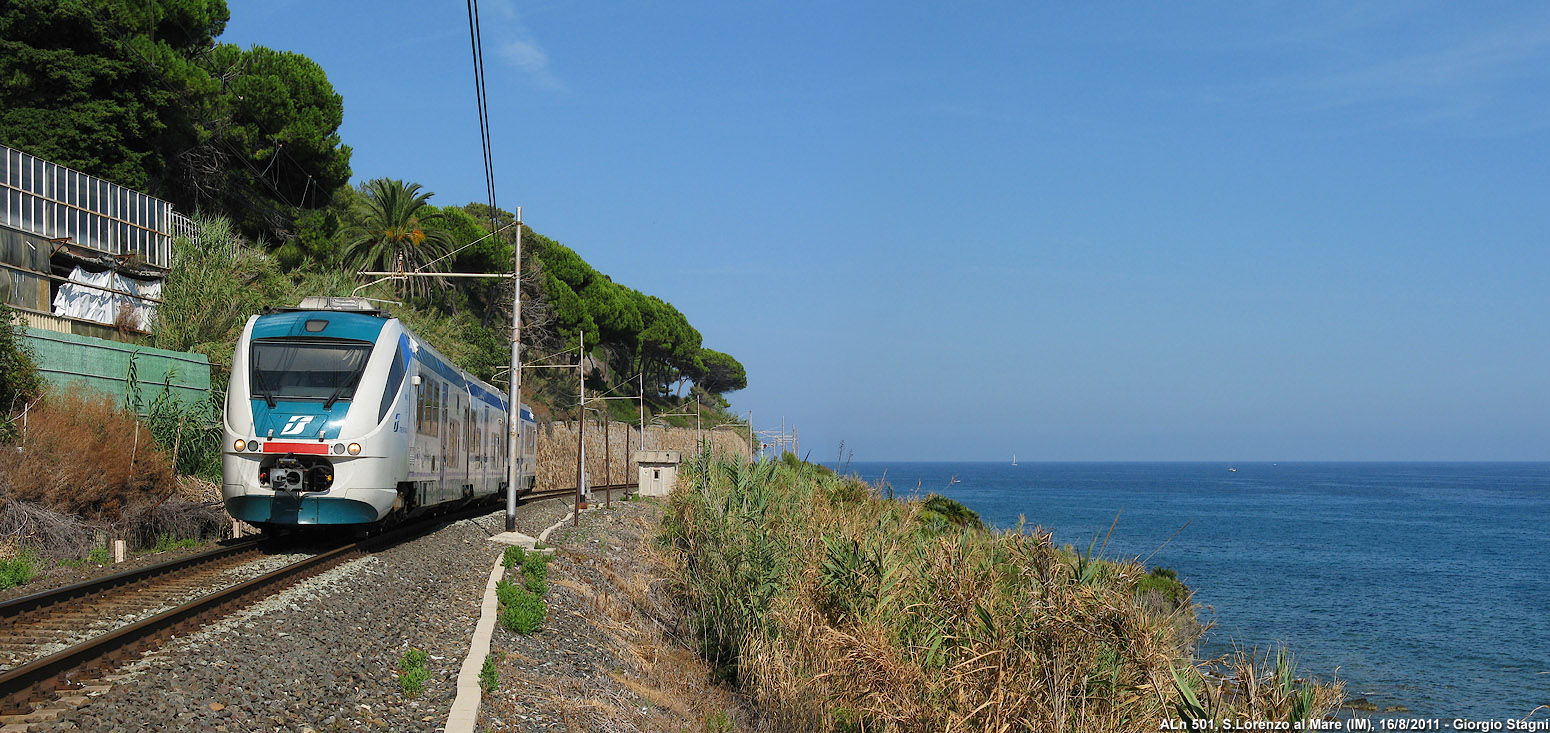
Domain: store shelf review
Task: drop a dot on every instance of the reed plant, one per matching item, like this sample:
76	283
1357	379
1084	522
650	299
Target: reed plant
836	609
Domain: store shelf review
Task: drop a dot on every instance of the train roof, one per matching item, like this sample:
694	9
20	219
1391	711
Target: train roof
362	306
357	319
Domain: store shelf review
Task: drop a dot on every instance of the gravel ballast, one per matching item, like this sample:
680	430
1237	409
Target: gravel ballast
324	654
613	653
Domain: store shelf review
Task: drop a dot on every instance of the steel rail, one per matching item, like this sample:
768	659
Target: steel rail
571	491
42	679
16	607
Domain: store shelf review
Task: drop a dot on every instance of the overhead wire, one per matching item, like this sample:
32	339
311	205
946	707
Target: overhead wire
481	95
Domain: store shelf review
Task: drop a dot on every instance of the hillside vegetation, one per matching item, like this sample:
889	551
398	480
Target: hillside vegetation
247	140
146	96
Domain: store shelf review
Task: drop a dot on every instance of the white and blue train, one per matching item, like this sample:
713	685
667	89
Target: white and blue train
339	415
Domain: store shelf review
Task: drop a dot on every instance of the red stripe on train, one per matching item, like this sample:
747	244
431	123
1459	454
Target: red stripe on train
318	448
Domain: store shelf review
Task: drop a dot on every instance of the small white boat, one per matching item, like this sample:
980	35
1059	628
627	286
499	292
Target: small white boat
1014	459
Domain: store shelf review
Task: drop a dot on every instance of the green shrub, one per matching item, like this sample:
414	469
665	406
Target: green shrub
513	556
536	562
536	583
506	592
939	511
851	615
20	380
1165	582
99	556
535	572
166	542
18	570
489	674
412	673
525	613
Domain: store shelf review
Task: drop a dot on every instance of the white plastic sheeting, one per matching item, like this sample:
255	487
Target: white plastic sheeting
88	301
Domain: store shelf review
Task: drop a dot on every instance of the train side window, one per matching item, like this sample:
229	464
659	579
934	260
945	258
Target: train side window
443	414
422	425
434	418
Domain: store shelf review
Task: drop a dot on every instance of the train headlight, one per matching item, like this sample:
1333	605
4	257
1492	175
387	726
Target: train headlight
253	446
355	449
338	447
239	445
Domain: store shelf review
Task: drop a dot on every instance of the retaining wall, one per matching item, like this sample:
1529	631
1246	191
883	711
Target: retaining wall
557	450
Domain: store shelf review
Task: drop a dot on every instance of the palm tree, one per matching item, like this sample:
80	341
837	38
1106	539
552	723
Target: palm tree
399	232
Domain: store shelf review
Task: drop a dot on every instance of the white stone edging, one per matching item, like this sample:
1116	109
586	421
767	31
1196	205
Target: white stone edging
465	709
544	535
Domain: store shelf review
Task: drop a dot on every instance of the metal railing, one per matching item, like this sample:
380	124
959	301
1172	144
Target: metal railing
52	201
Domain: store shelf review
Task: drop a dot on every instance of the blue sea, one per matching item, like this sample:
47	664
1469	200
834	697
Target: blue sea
1425	585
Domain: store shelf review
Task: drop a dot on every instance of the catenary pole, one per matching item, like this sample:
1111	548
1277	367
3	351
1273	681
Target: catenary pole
581	420
514	404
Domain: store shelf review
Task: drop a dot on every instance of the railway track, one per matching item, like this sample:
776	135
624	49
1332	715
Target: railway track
563	493
56	641
32	627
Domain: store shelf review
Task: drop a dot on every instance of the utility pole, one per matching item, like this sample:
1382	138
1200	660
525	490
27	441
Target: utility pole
514	466
514	415
581	421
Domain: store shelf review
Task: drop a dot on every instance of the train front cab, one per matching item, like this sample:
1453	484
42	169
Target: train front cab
310	421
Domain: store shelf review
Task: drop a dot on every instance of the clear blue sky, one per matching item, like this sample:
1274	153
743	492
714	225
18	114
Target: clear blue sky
954	231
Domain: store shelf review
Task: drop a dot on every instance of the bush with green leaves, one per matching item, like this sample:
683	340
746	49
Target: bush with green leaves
506	592
839	612
1164	582
18	570
167	543
525	613
513	556
412	673
489	673
20	381
535	572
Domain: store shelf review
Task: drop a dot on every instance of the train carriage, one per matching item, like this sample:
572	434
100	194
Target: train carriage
338	414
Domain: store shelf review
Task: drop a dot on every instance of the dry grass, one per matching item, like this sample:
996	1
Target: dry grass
86	470
842	611
83	455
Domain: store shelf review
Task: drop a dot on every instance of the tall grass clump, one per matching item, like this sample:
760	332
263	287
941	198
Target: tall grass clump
216	281
20	380
835	609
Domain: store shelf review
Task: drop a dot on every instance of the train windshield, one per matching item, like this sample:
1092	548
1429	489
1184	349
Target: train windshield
307	370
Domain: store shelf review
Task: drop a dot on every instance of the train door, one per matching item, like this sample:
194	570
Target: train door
441	445
465	442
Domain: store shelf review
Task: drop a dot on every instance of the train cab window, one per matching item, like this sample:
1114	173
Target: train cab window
322	369
394	381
